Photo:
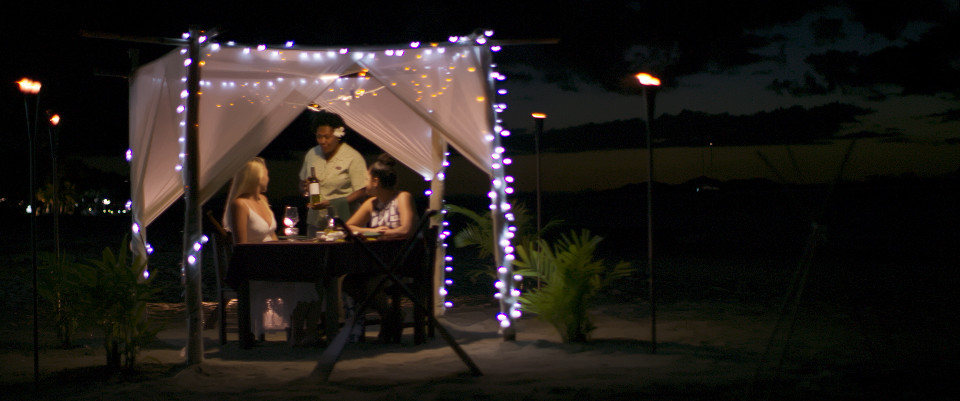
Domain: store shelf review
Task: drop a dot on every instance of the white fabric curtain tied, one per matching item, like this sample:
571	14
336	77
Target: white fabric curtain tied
250	96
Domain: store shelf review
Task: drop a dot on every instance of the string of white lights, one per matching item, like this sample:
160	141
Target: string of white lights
429	77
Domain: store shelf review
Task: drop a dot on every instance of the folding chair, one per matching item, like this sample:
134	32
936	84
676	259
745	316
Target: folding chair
330	356
222	245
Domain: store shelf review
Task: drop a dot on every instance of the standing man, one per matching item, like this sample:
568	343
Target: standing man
341	170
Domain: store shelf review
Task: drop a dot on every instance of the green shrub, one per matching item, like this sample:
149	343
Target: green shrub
115	302
479	233
570	279
60	283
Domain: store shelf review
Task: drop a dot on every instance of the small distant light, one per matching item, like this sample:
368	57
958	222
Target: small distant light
261	48
495	48
129	155
343	50
414	45
289	44
488	33
146	274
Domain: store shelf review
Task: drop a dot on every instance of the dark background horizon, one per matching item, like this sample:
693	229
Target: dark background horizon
736	77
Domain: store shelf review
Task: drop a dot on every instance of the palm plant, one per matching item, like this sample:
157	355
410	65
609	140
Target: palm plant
116	303
570	278
61	282
479	233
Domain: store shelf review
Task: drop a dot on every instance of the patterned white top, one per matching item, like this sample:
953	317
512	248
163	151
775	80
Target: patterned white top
387	216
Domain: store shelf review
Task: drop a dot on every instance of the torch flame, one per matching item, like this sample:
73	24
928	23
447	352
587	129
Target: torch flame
538	115
29	86
647	79
55	119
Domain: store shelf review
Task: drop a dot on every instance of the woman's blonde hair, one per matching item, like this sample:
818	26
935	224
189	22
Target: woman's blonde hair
245	182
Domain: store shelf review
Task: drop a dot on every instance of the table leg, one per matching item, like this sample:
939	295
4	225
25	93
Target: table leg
244	333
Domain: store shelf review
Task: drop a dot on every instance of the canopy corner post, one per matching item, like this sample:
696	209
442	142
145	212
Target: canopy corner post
499	208
192	229
437	203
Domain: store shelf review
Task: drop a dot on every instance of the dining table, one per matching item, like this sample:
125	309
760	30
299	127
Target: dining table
311	260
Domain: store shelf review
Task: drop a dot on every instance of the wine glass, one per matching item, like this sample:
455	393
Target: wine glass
291	216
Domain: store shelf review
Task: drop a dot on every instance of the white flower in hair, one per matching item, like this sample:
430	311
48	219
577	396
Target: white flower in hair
339	132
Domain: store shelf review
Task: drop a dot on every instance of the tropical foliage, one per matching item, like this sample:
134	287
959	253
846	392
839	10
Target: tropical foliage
115	302
61	282
570	278
479	233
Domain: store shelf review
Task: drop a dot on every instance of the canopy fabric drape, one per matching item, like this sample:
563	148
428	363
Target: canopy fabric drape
397	99
412	102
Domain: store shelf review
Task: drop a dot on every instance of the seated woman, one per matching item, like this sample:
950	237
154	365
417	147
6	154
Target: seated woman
391	213
249	218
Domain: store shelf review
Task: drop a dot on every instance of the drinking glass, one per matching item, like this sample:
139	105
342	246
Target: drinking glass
291	216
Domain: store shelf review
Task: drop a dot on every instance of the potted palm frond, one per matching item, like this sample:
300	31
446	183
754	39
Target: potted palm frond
570	278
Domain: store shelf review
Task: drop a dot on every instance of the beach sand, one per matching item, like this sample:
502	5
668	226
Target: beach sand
704	351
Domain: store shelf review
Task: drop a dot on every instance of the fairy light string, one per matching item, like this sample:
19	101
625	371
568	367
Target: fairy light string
429	73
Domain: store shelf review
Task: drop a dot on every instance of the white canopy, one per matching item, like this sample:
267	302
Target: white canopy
398	99
412	102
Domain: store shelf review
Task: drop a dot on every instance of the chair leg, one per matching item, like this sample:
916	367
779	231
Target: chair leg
222	311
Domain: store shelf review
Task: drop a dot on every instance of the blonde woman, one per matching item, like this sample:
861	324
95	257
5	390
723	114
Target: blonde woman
249	218
248	215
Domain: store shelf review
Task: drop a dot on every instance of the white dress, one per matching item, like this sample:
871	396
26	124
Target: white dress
272	303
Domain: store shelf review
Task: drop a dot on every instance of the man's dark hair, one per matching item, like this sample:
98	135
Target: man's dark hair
333	120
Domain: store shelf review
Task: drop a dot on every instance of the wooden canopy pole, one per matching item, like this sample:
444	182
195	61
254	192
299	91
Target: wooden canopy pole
192	229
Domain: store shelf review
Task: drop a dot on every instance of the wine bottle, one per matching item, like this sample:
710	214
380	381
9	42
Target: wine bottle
313	187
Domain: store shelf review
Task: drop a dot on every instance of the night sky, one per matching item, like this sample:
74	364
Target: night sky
735	74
